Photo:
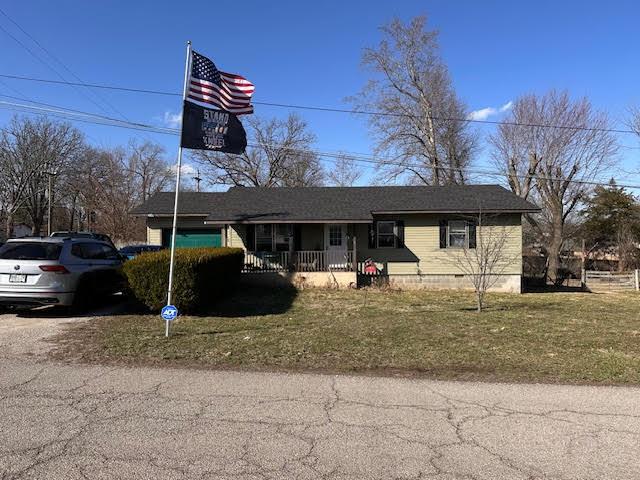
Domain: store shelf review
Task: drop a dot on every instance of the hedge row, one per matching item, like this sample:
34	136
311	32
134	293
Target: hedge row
200	276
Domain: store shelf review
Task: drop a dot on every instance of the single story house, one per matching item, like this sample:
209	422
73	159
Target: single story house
416	235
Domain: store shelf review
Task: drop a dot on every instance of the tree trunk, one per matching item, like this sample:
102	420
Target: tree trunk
553	251
72	213
38	221
9	225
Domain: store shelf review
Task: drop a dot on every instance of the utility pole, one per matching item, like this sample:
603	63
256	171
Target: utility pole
50	198
198	180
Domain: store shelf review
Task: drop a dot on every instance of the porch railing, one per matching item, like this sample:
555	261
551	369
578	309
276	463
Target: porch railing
299	261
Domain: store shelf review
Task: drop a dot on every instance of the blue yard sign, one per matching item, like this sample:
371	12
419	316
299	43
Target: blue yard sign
168	313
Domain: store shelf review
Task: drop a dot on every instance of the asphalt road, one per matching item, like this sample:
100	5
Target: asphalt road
61	421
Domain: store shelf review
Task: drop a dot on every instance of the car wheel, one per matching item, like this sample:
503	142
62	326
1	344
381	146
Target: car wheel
83	296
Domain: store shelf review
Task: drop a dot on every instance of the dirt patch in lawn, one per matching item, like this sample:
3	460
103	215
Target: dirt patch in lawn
542	337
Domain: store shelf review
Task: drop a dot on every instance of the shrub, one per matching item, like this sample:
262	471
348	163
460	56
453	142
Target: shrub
200	276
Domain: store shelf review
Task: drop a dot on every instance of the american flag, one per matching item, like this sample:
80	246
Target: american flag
209	86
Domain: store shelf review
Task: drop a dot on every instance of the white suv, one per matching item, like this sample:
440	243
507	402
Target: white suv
58	271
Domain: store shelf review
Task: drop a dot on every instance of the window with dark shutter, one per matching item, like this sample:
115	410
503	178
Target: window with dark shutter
472	233
386	232
372	234
400	234
443	234
457	234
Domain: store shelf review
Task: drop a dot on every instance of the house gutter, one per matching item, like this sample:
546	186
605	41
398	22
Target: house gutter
448	212
250	222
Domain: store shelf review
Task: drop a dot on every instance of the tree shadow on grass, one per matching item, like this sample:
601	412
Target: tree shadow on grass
253	302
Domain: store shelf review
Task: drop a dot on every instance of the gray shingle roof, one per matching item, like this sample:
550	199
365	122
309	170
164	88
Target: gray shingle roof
249	204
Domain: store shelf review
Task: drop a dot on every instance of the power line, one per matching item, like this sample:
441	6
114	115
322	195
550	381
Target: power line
86	117
329	109
56	59
83	117
61	63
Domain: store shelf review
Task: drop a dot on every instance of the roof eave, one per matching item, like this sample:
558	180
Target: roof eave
235	221
164	215
472	210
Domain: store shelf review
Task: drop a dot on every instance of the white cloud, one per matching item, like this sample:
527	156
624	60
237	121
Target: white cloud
185	169
482	114
507	106
485	113
172	120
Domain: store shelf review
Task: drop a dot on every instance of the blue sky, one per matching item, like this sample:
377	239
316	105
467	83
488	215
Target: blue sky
309	53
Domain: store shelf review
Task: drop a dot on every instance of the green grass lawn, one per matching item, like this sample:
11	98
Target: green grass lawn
546	337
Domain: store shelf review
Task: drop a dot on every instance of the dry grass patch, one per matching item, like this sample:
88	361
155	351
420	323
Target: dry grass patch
546	337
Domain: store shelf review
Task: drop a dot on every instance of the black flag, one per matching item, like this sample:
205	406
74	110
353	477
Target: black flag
207	129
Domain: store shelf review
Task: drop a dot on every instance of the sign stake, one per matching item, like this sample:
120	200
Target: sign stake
177	192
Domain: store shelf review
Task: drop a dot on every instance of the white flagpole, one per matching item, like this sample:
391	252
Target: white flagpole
187	74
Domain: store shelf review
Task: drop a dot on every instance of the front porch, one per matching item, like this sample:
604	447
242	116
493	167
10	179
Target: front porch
296	247
300	261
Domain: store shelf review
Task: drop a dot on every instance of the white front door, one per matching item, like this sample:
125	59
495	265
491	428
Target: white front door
335	241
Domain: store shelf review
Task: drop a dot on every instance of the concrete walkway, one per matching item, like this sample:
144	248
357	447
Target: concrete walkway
75	422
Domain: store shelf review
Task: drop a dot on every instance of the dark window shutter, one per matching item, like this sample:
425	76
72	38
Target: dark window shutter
443	234
251	238
297	237
400	234
471	226
373	229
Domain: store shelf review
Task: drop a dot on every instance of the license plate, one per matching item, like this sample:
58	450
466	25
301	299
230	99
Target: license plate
18	278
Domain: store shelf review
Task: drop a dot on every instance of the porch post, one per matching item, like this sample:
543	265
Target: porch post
355	256
292	240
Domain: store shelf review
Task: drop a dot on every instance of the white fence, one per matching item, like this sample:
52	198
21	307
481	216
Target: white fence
601	280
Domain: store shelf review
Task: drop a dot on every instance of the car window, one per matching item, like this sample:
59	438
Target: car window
88	251
110	253
77	251
30	251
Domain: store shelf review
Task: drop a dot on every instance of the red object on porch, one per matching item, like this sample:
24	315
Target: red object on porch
370	267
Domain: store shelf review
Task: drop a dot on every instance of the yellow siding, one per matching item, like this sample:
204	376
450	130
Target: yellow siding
236	235
154	236
423	254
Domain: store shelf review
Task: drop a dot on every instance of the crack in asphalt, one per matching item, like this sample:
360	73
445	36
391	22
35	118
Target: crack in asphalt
74	421
270	436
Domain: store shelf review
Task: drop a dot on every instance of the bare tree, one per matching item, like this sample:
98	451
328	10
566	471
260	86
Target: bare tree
31	150
147	162
489	258
550	165
280	154
421	125
345	172
634	120
304	170
111	190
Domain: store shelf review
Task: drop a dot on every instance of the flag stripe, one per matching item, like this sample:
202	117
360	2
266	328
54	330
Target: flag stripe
224	90
213	98
220	93
213	87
